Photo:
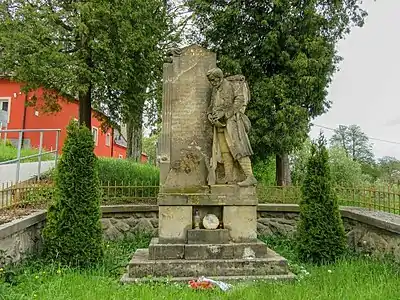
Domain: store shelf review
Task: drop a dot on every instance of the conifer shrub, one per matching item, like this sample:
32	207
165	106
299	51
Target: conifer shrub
73	233
320	232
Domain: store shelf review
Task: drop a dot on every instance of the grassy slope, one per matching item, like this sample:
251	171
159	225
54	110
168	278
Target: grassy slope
9	152
358	278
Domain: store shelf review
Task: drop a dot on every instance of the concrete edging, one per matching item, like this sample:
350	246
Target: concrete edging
265	207
127	208
20	224
373	221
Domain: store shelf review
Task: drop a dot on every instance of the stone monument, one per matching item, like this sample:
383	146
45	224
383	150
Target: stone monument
207	199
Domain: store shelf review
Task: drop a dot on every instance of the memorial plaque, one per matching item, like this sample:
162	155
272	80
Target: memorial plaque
186	137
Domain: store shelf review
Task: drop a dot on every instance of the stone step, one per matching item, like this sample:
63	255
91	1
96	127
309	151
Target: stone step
227	251
141	266
159	251
208	236
287	277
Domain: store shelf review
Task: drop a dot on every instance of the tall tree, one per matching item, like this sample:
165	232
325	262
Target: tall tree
73	233
91	50
286	49
320	233
389	168
355	142
343	170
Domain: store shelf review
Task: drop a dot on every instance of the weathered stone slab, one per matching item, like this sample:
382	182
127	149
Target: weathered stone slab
209	251
185	141
241	222
226	251
233	189
142	266
208	236
206	199
165	251
174	221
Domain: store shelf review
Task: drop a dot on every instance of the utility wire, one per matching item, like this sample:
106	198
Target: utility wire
371	138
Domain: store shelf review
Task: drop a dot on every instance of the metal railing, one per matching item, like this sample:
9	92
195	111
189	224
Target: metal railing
33	193
36	194
371	198
41	151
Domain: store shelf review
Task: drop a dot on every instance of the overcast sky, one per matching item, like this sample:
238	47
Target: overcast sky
366	89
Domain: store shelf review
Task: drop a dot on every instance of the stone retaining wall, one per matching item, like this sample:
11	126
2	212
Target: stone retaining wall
370	232
21	237
375	233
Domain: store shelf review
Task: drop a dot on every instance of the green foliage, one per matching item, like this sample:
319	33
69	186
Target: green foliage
389	168
106	53
351	279
9	152
126	181
354	142
286	50
149	146
123	181
73	233
298	162
345	172
264	171
125	171
320	232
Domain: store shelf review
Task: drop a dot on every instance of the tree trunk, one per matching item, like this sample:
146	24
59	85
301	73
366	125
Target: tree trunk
279	170
283	177
134	139
137	143
286	167
85	108
129	138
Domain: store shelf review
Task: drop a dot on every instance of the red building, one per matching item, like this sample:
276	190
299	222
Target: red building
15	114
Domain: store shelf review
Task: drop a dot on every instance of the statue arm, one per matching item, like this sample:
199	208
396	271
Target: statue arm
238	102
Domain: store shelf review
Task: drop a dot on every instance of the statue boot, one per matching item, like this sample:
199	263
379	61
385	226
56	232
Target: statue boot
228	167
245	164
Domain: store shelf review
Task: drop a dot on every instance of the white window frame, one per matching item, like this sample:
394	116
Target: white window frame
120	156
6	99
108	139
95	136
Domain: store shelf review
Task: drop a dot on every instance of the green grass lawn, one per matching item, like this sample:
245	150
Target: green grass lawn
355	278
8	152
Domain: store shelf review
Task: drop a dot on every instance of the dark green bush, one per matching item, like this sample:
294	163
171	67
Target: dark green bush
73	233
320	232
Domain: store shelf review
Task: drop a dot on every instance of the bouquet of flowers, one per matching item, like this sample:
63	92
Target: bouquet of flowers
206	283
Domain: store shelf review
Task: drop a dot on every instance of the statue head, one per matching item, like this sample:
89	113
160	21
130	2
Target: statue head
215	76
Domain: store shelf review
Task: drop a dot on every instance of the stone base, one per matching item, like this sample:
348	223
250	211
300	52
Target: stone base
224	261
208	236
159	251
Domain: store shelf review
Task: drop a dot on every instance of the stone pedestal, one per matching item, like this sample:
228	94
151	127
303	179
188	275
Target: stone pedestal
229	253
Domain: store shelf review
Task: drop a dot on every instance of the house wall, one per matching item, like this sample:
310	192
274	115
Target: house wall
11	90
119	150
35	118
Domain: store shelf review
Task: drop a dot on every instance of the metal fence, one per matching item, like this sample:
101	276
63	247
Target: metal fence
39	194
33	193
382	199
41	152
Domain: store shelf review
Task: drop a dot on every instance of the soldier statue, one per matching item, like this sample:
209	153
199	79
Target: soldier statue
231	143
